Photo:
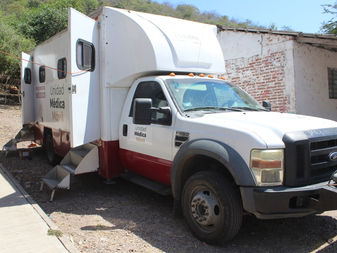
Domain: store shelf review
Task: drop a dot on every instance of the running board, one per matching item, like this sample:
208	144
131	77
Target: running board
160	188
79	160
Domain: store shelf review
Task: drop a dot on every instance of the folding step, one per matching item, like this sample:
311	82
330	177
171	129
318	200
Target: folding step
160	188
82	159
69	167
79	160
76	155
58	177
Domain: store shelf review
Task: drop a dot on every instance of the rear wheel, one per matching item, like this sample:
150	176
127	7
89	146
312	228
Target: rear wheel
212	207
49	149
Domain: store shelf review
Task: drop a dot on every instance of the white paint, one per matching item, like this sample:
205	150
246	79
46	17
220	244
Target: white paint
137	44
48	53
311	79
27	90
85	112
159	140
239	44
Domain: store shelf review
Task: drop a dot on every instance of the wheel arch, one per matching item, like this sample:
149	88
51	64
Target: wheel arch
218	157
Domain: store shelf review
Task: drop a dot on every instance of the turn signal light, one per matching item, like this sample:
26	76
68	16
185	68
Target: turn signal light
261	164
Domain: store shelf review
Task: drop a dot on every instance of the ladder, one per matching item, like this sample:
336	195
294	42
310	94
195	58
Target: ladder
79	160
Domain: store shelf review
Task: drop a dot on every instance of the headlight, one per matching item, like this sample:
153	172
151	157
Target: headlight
267	166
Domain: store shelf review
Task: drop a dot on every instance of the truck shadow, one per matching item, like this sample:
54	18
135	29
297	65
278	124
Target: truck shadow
130	209
149	216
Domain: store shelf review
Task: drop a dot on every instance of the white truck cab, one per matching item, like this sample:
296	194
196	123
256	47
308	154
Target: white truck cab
140	96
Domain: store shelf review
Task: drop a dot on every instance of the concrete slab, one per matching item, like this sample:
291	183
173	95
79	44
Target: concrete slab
23	224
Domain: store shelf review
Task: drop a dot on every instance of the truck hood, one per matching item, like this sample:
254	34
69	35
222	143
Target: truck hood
269	126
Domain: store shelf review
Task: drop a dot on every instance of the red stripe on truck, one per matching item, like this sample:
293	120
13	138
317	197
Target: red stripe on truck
148	166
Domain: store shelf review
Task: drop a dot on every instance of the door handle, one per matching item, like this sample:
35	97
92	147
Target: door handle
125	130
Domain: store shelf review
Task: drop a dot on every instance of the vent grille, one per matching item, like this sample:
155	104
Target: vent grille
308	156
181	138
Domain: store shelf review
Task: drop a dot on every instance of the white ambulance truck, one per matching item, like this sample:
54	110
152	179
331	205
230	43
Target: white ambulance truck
115	95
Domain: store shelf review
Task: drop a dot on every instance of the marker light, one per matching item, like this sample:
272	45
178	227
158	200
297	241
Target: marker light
210	76
201	75
172	74
191	74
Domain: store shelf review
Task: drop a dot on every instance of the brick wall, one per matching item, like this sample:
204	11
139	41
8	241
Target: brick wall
263	77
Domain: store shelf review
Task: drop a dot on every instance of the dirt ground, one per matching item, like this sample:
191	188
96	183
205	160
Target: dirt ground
124	217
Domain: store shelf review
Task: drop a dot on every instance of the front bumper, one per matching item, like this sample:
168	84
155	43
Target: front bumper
283	202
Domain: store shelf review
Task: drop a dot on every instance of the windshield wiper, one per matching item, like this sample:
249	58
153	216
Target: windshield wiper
213	108
247	108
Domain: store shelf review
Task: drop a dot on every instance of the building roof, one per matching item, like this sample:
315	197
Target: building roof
326	41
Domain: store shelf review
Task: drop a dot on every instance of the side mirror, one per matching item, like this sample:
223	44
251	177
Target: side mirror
142	111
167	119
266	105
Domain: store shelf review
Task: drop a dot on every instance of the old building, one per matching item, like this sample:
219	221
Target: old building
296	72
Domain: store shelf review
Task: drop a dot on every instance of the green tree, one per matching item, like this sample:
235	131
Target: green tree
331	25
51	17
13	43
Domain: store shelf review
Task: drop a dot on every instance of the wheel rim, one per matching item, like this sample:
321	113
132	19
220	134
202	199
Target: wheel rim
205	209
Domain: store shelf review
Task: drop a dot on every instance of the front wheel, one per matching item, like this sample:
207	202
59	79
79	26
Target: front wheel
212	207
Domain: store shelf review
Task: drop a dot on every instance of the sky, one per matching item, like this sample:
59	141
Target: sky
300	15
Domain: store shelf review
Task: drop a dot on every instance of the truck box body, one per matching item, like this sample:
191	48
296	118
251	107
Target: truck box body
101	94
127	45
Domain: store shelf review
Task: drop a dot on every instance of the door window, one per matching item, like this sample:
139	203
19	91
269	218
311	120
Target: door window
28	76
153	91
42	74
85	55
62	68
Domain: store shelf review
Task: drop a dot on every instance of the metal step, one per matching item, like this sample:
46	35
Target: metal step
79	160
69	167
160	188
58	177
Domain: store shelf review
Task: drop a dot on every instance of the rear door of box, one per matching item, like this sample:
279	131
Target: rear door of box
85	78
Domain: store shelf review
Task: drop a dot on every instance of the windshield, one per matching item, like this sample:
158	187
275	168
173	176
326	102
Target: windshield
204	94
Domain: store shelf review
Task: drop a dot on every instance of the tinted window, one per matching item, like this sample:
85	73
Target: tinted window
154	91
28	76
62	68
42	74
85	55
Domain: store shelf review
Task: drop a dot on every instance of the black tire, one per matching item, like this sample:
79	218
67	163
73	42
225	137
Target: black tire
212	207
49	149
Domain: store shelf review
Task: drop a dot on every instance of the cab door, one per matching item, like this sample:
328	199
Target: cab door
27	89
147	149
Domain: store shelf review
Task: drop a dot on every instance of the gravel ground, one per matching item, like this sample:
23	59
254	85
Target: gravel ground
124	217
